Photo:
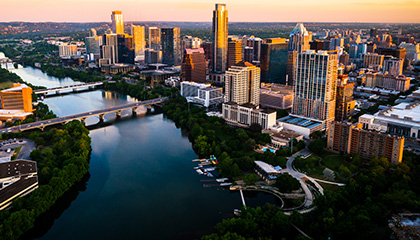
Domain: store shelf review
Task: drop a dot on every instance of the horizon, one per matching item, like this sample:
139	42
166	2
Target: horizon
324	11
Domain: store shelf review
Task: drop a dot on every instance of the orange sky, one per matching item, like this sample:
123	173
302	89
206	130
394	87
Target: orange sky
401	11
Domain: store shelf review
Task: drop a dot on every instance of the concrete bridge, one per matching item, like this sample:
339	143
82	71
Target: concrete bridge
83	116
75	87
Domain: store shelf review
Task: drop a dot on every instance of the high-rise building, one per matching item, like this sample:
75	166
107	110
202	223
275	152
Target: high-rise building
189	42
373	60
66	50
242	84
117	22
234	51
194	66
93	43
154	38
220	36
125	53
109	49
274	61
345	104
298	43
357	51
254	43
348	138
336	43
394	66
392	51
153	56
138	34
315	85
171	46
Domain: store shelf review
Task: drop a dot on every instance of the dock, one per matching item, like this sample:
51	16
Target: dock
242	196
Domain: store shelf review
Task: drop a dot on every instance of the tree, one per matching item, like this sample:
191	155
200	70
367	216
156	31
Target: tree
250	179
286	183
317	146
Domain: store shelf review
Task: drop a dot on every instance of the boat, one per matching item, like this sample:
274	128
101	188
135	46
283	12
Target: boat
209	174
222	179
225	184
199	171
210	169
237	212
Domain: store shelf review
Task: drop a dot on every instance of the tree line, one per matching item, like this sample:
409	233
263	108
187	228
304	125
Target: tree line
62	158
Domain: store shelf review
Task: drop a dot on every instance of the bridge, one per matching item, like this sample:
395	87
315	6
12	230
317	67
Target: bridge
83	116
74	87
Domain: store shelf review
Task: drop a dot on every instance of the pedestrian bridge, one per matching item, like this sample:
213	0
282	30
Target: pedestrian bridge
83	116
74	87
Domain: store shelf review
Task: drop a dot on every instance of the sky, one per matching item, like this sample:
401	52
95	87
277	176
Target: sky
392	11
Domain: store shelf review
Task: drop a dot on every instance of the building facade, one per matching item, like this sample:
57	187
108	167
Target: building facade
154	38
220	36
171	46
246	114
348	138
242	84
194	66
274	62
139	40
345	104
117	22
298	42
234	52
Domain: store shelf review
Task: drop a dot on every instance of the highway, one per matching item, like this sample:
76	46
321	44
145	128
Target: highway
81	116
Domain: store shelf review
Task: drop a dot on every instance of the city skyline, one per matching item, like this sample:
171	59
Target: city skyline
387	11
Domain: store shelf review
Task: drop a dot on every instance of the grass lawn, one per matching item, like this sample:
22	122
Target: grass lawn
333	161
5	85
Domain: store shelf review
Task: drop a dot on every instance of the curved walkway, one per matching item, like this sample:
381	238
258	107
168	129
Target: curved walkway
261	189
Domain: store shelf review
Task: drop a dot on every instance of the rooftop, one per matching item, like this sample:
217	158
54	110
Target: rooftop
17	167
16	87
300	121
266	167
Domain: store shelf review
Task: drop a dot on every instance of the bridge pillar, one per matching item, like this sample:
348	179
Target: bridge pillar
75	90
118	113
101	118
83	120
58	92
134	110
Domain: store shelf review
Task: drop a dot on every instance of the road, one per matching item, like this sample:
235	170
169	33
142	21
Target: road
42	124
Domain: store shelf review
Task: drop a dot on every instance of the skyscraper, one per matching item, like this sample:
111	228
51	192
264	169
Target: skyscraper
117	22
274	61
171	46
194	65
220	35
234	51
298	43
154	38
315	85
93	42
242	84
139	42
255	44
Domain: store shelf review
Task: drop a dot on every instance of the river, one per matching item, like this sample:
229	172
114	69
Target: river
142	183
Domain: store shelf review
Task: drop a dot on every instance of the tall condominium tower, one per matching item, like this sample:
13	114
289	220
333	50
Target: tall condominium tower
171	46
234	52
194	65
315	85
242	84
298	43
154	38
139	41
220	35
117	22
109	49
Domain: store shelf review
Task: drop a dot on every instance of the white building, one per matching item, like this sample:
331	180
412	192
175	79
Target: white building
403	119
246	114
203	94
394	66
242	84
66	50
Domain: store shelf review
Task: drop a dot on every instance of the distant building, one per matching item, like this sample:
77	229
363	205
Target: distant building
373	61
117	68
274	62
357	51
189	42
254	44
154	38
66	50
117	22
348	138
125	49
171	46
394	66
298	42
396	52
93	43
387	81
413	51
194	66
153	56
17	178
234	52
344	107
109	49
139	41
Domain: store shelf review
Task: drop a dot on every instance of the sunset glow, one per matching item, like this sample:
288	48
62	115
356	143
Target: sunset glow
404	11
